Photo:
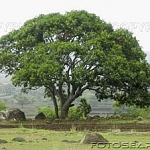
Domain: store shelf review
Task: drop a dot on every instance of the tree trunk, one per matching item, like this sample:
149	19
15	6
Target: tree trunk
64	111
55	107
56	111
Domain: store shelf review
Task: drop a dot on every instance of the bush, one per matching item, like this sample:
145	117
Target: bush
81	111
74	113
118	108
84	107
144	113
2	106
134	112
47	111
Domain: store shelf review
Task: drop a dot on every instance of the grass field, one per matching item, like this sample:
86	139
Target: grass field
52	140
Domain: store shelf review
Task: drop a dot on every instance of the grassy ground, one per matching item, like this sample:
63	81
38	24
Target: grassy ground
53	140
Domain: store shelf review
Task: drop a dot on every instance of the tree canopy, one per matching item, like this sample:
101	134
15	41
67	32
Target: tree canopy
70	53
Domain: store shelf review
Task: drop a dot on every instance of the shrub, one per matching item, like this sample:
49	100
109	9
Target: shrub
47	111
74	112
2	106
81	111
132	112
84	107
144	113
118	108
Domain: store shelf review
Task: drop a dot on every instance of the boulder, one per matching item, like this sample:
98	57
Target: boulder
15	114
44	139
67	141
2	141
93	138
3	115
96	117
19	139
40	116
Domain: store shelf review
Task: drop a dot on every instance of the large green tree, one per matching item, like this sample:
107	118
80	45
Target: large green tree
70	53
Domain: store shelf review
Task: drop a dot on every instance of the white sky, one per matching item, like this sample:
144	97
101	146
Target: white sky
131	14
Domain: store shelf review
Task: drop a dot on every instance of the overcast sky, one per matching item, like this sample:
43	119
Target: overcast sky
131	14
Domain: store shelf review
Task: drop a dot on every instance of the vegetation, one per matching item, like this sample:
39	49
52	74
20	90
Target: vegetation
75	112
84	107
53	139
21	99
2	106
47	111
68	54
132	112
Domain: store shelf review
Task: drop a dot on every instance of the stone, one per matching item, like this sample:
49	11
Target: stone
64	141
96	117
67	141
44	138
3	115
40	116
93	138
16	114
2	141
19	139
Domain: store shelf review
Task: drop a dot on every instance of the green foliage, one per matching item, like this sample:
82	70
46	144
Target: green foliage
84	107
81	111
78	51
75	113
2	106
144	113
132	112
47	111
118	108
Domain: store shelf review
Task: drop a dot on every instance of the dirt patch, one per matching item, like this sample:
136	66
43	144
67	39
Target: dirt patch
76	125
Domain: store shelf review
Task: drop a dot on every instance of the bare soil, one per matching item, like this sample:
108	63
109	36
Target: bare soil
76	125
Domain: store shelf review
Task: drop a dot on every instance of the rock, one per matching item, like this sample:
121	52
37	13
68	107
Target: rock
3	114
15	114
64	141
93	137
96	117
44	138
19	139
70	141
40	116
139	118
2	141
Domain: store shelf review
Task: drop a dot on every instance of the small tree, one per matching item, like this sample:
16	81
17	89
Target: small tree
84	107
21	99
